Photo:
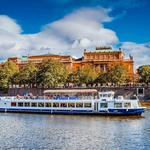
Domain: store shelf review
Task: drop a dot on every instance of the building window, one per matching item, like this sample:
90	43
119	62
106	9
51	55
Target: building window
101	67
140	91
106	67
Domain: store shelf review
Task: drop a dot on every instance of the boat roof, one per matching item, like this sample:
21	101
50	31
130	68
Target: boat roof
71	91
107	92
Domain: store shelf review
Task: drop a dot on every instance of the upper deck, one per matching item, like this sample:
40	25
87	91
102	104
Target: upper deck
71	94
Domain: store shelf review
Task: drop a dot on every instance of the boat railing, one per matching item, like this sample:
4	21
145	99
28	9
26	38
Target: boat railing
48	98
7	97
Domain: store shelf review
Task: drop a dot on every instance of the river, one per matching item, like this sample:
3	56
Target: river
66	132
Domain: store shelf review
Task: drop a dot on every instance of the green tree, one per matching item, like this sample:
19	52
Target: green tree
87	74
15	80
4	80
7	71
117	74
102	78
51	74
27	75
144	74
73	78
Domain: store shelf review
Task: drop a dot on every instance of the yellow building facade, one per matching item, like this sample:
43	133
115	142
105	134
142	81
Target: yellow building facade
102	59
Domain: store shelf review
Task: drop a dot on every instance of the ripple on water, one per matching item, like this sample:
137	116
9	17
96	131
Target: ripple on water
49	132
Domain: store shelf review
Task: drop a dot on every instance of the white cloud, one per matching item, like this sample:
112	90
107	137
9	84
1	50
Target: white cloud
140	52
85	23
82	28
8	24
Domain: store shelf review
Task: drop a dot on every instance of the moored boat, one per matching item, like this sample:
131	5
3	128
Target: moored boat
73	101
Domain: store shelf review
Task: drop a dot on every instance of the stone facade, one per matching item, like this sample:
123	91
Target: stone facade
102	59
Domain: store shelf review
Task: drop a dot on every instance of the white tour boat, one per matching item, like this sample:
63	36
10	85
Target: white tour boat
72	101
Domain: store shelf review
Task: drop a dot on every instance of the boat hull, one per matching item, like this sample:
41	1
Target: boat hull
137	111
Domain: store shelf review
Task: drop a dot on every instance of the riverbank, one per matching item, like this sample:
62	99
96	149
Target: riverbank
125	91
145	103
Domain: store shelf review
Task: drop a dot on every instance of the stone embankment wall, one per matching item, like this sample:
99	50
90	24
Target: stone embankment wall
127	92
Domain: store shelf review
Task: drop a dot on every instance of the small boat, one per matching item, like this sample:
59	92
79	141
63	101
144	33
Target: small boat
72	101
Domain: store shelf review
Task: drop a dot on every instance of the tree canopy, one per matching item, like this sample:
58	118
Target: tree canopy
7	71
117	74
102	78
144	73
87	74
27	75
51	73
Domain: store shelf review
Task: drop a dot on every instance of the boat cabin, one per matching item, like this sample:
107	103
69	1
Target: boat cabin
71	94
109	95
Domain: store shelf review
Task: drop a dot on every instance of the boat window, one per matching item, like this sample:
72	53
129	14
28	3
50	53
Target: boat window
20	104
103	105
40	104
87	104
55	104
13	104
48	105
103	99
105	95
117	105
63	104
71	104
33	104
101	95
27	104
79	104
127	105
109	95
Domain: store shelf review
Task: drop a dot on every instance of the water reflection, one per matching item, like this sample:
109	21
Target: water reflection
32	131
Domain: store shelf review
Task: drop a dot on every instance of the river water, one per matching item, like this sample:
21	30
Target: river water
62	132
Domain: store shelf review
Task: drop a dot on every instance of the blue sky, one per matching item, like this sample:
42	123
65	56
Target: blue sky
39	26
33	14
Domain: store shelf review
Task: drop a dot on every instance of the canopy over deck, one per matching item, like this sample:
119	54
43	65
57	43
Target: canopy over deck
71	91
107	92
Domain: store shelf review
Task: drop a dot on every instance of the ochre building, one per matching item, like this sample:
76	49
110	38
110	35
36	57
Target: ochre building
102	58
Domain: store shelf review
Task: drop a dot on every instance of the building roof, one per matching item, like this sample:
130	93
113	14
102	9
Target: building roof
79	59
48	54
105	49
